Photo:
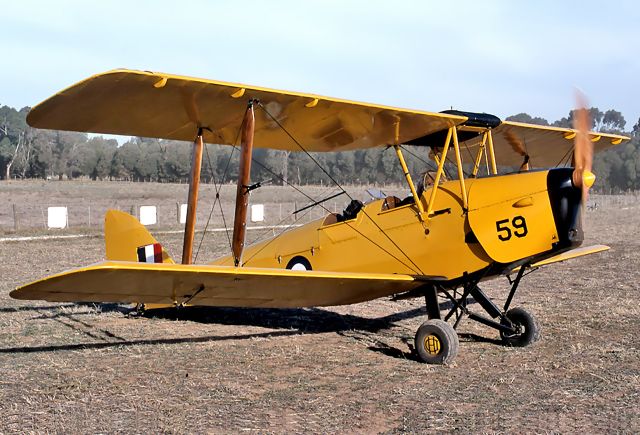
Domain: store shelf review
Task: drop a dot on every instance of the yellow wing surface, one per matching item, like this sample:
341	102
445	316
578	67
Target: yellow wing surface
129	282
546	146
148	104
574	253
568	255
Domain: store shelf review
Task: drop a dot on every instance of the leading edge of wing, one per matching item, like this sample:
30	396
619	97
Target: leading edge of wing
129	282
166	106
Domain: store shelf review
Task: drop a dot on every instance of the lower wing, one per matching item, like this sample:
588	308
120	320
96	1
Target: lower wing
574	253
568	255
129	282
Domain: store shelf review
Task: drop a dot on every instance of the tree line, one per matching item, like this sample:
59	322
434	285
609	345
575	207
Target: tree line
33	153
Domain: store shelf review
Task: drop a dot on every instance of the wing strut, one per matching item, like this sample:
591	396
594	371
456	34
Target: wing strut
194	185
242	194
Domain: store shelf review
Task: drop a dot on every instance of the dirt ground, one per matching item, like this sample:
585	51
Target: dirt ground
96	368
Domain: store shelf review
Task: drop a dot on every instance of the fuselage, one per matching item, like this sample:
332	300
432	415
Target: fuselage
511	219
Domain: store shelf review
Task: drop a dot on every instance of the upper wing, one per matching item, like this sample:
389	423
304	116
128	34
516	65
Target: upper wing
147	104
546	146
129	282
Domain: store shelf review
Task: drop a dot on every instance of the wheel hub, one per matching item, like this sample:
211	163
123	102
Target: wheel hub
432	344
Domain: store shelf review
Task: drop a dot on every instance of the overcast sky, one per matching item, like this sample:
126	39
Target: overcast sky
501	57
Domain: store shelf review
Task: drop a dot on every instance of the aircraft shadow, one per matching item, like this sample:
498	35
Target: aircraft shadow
106	344
103	307
304	320
474	338
34	308
286	322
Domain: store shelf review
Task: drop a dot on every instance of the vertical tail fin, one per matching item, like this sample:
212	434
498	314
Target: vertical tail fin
126	239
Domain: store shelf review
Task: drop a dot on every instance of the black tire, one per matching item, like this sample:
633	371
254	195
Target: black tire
299	263
528	330
436	342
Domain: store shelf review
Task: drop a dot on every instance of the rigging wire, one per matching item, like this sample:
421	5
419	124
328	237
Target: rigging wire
218	187
346	193
429	164
328	211
566	157
216	200
276	175
471	158
350	226
464	174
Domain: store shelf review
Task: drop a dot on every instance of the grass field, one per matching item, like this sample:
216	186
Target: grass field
76	368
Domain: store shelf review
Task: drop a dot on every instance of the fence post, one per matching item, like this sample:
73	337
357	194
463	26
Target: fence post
15	218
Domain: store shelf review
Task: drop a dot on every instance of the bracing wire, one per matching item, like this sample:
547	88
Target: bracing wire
328	211
217	188
347	194
566	157
216	200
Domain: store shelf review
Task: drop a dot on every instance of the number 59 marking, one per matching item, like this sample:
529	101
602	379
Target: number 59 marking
505	232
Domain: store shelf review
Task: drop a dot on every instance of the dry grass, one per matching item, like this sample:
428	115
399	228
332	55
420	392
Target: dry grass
84	368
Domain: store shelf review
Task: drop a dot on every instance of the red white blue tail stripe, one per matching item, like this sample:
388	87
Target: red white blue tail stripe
150	253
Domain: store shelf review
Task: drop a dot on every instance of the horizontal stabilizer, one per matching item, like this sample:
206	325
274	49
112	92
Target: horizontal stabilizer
127	282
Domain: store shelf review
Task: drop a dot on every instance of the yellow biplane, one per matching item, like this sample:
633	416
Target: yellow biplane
446	237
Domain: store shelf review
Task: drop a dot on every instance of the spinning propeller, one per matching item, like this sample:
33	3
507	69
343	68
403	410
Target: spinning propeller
582	176
518	146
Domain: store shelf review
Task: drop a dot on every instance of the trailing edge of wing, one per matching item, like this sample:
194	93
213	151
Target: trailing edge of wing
129	282
148	104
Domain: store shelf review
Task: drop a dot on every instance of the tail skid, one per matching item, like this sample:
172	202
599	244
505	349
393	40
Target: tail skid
126	239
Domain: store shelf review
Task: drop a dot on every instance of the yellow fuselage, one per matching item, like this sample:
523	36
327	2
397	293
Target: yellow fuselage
510	218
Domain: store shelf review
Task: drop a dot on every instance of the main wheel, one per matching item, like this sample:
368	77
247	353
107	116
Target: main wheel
436	342
527	329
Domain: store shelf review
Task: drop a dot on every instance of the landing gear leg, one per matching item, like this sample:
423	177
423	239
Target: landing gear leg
517	326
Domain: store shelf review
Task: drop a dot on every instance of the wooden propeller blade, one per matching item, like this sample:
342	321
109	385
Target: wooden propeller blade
518	147
583	149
